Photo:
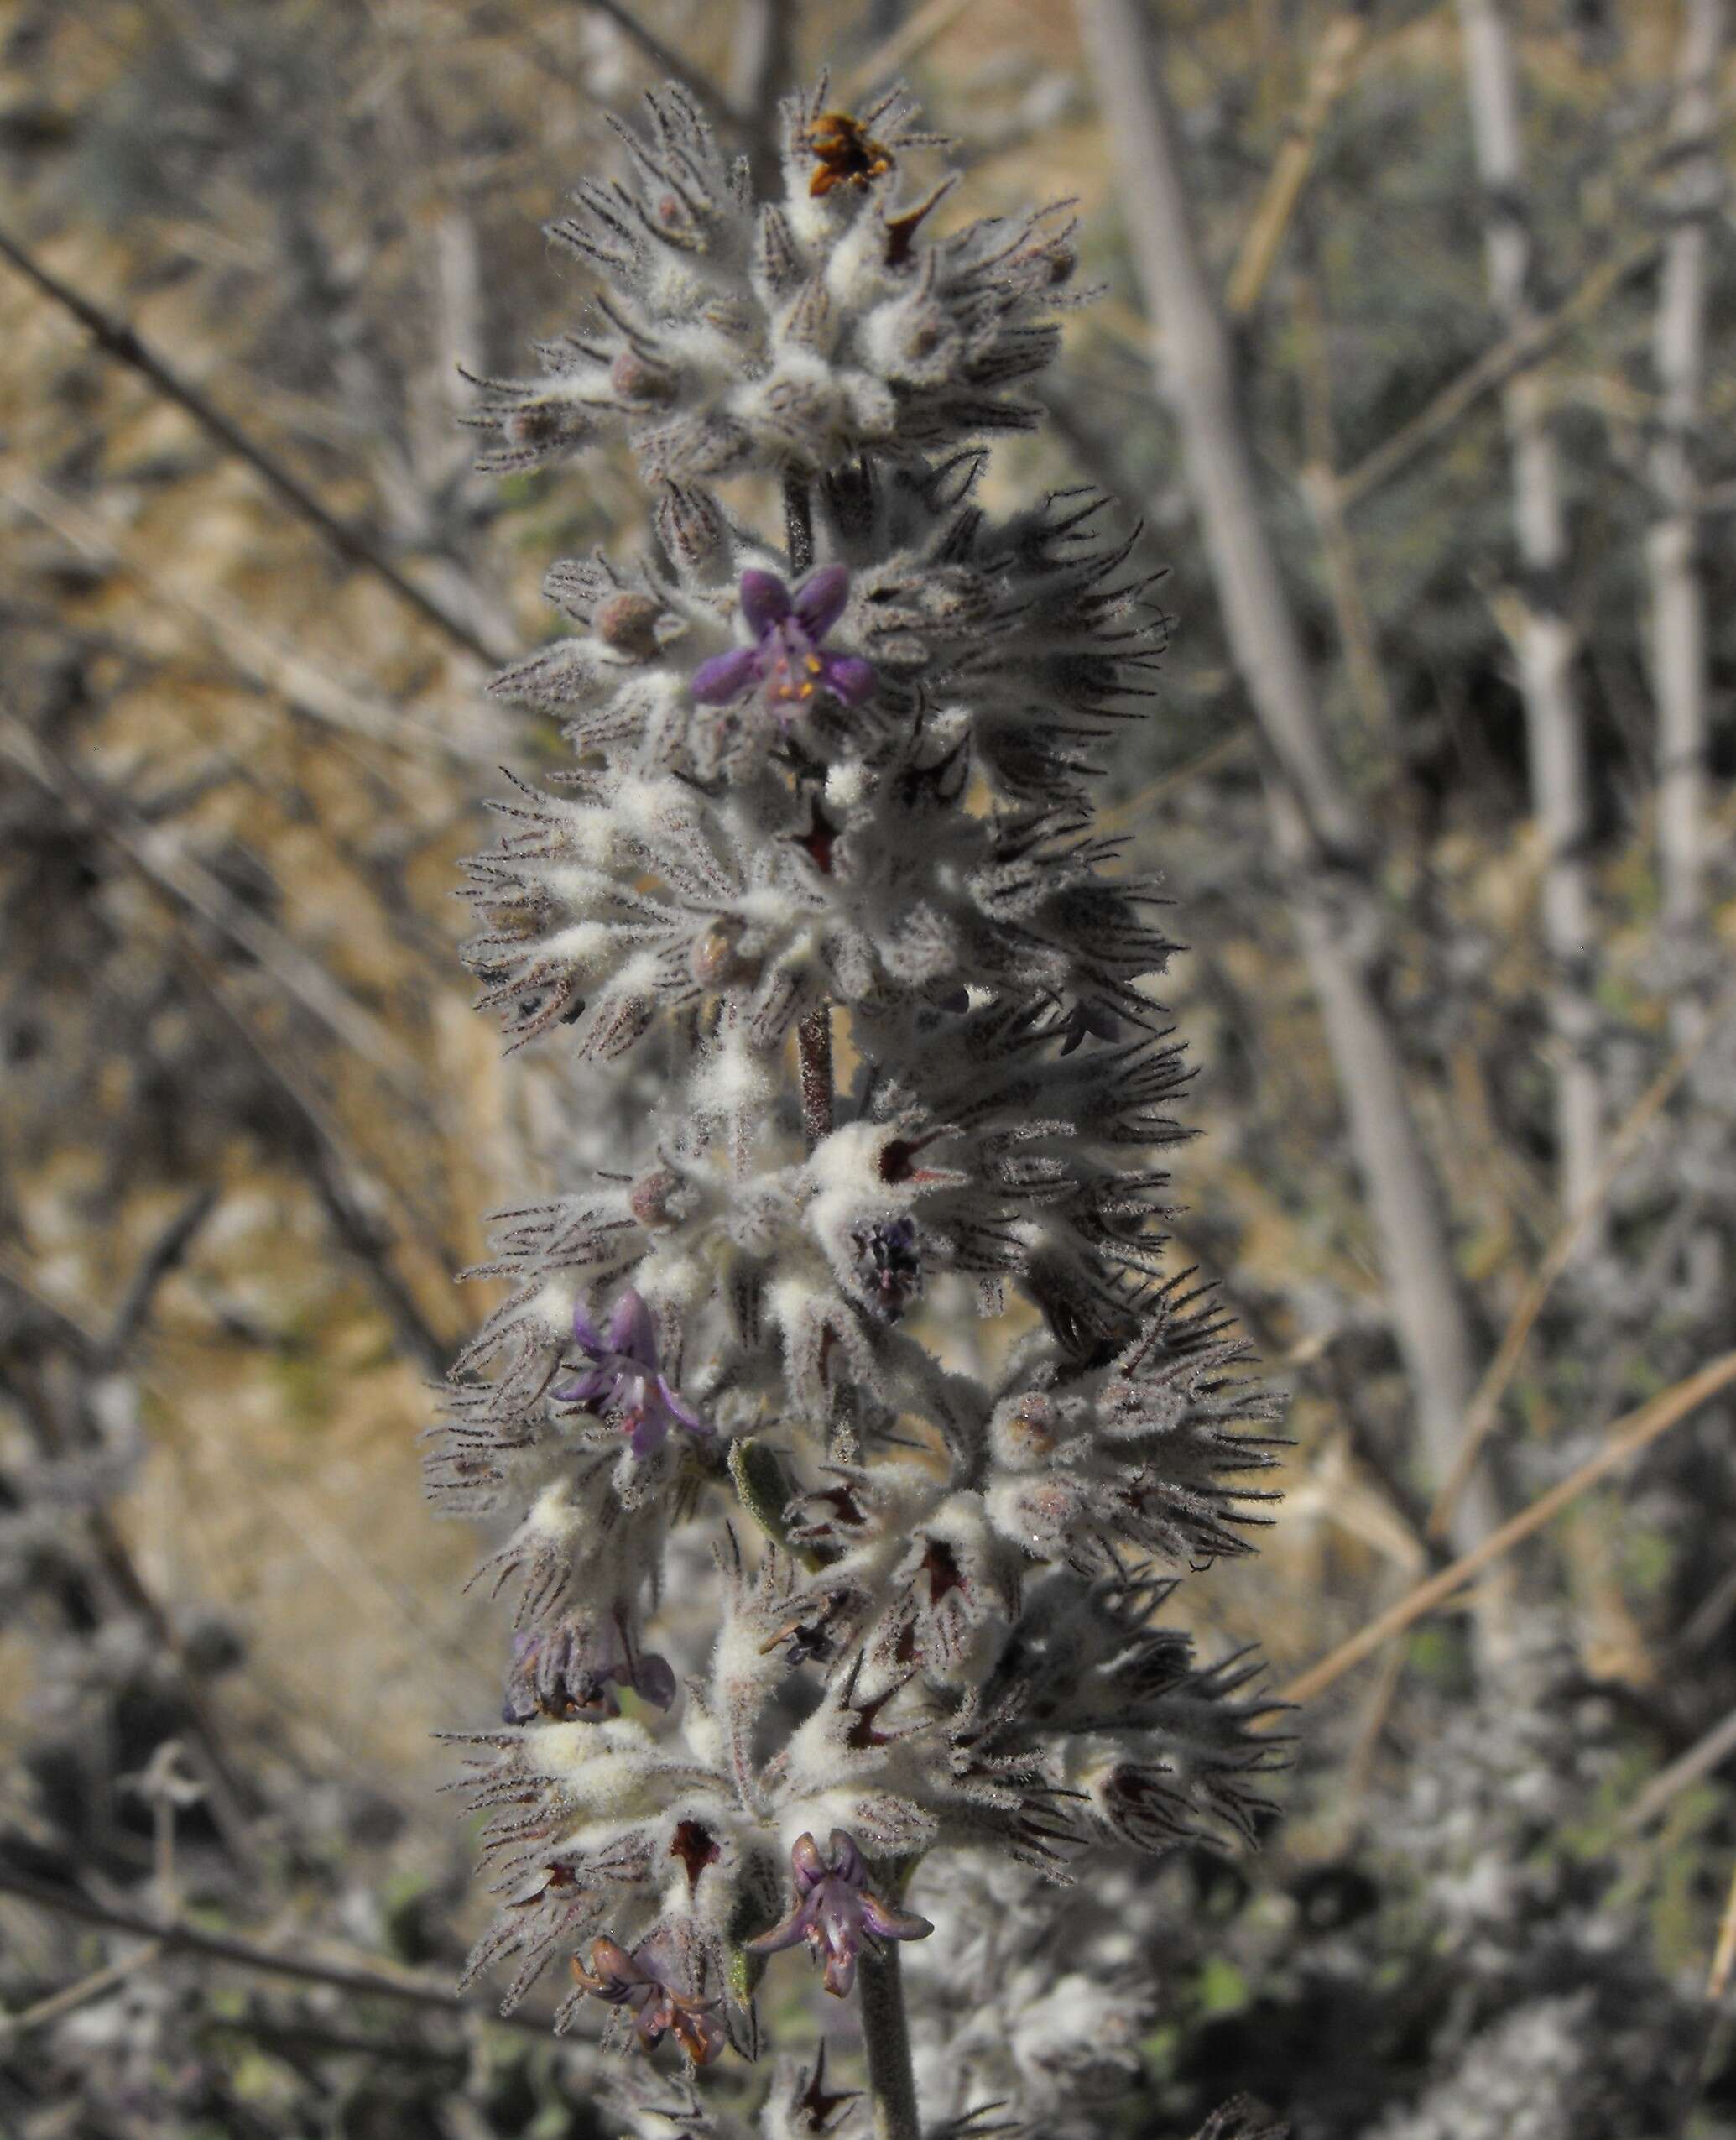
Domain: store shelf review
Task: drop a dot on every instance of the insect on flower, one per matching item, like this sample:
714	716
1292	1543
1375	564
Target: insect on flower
847	154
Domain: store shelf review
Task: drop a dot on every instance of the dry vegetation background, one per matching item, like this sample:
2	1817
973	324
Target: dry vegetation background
251	1126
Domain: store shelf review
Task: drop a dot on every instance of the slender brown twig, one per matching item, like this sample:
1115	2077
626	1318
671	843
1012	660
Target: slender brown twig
1630	1436
1516	352
176	1937
1486	1404
116	339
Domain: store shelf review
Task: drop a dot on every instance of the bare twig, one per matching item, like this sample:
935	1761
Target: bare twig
692	79
255	656
906	43
1544	635
1671	1782
81	1993
1629	1437
1526	345
165	1256
116	339
186	884
1319	831
1336	51
1480	1415
244	1954
1678	587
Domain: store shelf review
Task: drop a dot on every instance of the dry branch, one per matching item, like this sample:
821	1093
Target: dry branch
1628	1438
116	339
1319	831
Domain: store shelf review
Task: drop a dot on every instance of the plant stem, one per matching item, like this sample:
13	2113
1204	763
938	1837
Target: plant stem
798	526
886	2036
813	1045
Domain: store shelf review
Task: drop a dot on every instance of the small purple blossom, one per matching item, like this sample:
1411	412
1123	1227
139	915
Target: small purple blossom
787	661
570	1674
637	1981
622	1380
835	1913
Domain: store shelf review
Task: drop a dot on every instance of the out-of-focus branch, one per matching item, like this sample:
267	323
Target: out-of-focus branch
906	43
1324	493
154	853
264	662
1630	1436
1318	828
762	68
244	1954
1527	345
1486	1405
116	339
1336	52
1673	566
1544	639
697	84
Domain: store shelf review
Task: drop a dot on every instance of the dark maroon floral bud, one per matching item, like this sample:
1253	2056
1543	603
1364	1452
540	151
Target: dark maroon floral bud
835	1913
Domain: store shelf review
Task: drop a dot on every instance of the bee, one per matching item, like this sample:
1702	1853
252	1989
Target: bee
847	154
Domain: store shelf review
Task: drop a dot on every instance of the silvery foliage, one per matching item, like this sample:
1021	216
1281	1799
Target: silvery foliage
834	791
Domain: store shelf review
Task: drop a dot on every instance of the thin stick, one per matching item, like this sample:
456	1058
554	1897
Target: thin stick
1480	1418
116	339
886	2037
186	1938
1335	57
798	524
1723	1959
79	1994
1669	1783
665	57
176	876
905	44
1525	346
1630	1435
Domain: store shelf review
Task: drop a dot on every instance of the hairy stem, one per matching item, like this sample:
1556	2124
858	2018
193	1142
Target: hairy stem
886	2036
798	524
813	1045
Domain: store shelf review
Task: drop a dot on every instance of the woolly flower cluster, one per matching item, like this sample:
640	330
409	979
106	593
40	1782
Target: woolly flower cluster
873	1298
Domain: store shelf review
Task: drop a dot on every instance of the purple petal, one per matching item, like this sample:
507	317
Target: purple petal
683	1411
650	1430
586	1332
847	1860
807	1863
889	1923
655	1680
597	1383
848	677
725	676
765	601
632	1331
819	600
789	1932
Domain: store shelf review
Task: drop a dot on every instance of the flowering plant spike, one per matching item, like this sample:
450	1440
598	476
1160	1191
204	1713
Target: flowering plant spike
859	1280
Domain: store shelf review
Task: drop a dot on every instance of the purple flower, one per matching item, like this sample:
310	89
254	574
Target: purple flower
835	1913
622	1380
570	1674
786	660
637	1980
